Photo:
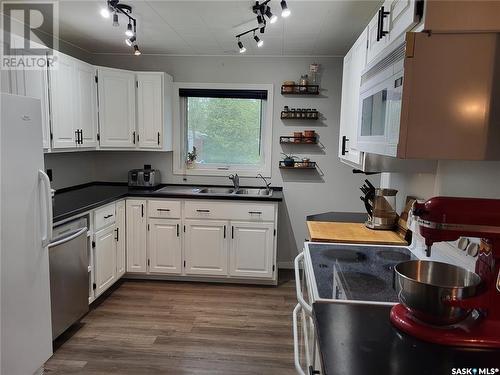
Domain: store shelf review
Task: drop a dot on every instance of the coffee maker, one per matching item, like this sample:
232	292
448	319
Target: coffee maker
380	205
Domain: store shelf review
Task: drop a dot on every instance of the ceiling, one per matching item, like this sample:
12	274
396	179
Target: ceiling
188	27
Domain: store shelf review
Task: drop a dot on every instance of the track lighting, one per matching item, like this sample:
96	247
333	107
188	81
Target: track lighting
272	17
260	21
259	41
114	7
130	41
105	12
129	31
285	12
115	19
241	46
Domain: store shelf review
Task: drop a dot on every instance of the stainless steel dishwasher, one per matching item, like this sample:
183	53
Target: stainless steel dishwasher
69	279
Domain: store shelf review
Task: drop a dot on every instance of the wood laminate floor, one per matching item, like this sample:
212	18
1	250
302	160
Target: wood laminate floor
160	327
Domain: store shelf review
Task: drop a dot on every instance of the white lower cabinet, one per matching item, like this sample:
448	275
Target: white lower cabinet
251	253
105	259
164	245
120	239
205	247
136	235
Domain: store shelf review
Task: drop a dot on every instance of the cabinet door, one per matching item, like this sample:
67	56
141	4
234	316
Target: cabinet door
375	46
120	239
86	103
354	63
62	102
251	253
105	259
116	90
136	236
403	16
205	248
36	85
150	109
164	246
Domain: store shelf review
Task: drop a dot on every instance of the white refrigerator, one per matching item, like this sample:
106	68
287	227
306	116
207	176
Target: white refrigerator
26	229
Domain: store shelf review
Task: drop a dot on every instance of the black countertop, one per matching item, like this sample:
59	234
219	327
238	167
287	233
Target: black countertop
343	217
360	339
72	201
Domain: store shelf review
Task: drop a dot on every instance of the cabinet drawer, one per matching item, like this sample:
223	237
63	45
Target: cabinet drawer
229	211
104	216
166	209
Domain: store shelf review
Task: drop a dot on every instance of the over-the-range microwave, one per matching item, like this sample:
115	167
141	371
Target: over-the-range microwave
435	96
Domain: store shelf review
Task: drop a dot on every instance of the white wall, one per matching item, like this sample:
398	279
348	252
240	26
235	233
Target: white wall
305	192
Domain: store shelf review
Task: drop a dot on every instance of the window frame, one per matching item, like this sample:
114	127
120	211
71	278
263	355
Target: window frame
180	133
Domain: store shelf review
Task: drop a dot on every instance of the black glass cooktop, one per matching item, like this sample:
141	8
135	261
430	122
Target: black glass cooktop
364	273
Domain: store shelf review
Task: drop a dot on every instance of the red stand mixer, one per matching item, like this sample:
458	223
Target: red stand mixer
447	219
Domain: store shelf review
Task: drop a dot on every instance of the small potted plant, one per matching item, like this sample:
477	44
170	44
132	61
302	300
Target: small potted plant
288	160
191	158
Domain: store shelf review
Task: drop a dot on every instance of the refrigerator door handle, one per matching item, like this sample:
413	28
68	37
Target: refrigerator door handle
46	209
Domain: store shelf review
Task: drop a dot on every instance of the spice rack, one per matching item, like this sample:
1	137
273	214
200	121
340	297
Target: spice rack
298	140
299	114
298	165
299	89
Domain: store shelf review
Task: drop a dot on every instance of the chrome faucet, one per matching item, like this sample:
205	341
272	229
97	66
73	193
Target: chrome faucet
268	184
236	181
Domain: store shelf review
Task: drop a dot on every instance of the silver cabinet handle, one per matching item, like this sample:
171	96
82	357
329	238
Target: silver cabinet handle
77	233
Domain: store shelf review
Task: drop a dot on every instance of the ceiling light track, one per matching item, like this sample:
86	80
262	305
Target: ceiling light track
114	7
262	10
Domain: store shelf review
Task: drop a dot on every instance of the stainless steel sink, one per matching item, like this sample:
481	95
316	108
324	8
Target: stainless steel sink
254	192
216	190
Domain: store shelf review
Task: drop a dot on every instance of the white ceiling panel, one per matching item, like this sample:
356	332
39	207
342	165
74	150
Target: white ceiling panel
207	27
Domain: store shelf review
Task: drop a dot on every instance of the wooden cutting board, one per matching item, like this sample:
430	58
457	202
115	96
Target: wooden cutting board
322	231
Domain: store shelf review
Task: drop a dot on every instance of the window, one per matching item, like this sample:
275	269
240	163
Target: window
229	127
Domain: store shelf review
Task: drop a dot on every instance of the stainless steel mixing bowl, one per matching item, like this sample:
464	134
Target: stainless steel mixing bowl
424	286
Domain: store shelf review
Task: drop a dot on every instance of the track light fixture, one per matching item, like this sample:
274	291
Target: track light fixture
115	7
262	10
129	31
272	17
285	12
241	46
259	41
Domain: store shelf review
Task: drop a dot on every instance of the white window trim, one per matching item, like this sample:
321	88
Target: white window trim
179	165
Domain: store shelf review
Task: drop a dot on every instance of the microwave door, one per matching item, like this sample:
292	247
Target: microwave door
374	112
394	101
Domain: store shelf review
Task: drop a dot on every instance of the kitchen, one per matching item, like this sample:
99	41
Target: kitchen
177	238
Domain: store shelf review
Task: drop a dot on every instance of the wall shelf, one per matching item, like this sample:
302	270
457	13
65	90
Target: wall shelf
300	115
299	89
298	140
298	165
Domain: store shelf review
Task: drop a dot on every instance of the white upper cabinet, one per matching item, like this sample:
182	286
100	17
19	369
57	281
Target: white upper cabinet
251	252
36	86
117	108
62	102
354	63
378	33
86	104
150	113
402	17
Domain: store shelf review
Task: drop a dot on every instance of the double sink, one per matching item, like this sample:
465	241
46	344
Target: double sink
215	190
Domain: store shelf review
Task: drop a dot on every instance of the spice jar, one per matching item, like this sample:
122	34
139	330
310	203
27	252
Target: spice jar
288	86
286	112
303	82
292	113
310	136
297	137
